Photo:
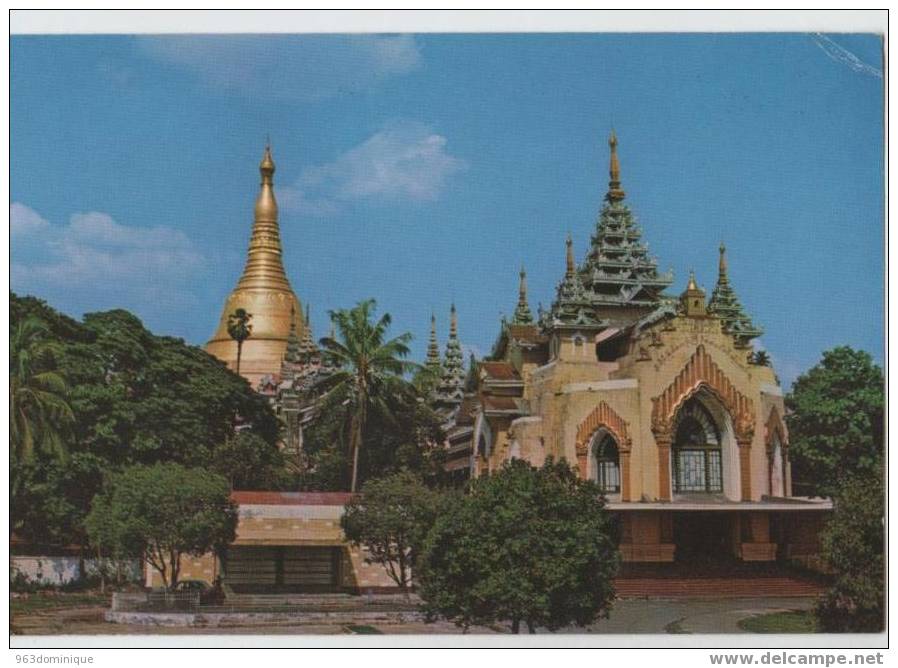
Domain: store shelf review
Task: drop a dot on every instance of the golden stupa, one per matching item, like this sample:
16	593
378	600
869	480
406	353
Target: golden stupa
263	291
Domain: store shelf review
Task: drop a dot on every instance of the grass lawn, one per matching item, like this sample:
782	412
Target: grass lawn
793	621
24	604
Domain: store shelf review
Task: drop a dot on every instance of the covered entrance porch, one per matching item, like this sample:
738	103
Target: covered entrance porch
717	533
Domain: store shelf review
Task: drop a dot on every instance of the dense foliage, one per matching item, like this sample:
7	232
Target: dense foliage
836	421
391	518
526	545
249	462
407	434
854	547
135	398
160	512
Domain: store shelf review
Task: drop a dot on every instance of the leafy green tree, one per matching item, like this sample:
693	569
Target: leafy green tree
240	329
249	462
136	398
161	512
48	506
526	545
390	519
39	414
854	547
835	420
370	369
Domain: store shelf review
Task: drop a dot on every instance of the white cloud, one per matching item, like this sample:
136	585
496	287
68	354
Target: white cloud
24	220
95	254
304	67
402	161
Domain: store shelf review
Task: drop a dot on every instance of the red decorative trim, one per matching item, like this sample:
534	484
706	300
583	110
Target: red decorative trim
603	416
702	372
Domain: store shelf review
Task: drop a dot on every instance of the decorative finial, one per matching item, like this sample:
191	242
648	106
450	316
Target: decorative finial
266	167
615	193
722	266
571	265
433	347
692	285
522	314
453	322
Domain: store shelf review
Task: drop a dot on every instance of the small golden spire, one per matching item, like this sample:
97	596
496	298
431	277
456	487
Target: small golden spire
692	285
571	265
453	322
615	193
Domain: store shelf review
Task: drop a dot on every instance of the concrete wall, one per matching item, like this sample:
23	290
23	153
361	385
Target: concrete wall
62	570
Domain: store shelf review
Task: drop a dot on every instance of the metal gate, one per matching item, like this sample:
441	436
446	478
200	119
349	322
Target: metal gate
252	569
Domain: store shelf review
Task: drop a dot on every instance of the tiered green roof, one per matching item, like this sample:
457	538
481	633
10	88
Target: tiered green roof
618	270
293	344
725	305
522	314
433	348
307	347
451	387
573	305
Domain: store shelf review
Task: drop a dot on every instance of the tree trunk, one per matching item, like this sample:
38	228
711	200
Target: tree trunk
515	625
354	439
530	627
239	353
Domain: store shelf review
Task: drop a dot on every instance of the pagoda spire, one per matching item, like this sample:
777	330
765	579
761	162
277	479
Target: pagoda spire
263	291
433	347
615	193
522	314
451	388
308	346
264	264
571	265
618	270
293	343
726	306
722	265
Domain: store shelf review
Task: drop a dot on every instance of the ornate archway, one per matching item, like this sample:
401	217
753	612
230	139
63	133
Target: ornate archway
604	417
701	373
775	436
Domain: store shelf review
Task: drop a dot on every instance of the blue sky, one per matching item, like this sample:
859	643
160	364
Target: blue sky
421	169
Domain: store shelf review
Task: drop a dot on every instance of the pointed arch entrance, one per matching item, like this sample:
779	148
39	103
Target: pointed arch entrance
603	437
702	376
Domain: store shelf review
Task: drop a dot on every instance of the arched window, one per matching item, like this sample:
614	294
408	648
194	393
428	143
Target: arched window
605	456
696	451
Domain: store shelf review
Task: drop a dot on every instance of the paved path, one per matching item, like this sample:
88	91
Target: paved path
629	616
689	615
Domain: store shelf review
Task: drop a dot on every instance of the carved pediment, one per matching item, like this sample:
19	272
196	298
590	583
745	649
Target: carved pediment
702	372
603	416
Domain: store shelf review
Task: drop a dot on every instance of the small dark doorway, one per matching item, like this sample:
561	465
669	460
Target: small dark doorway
703	538
282	569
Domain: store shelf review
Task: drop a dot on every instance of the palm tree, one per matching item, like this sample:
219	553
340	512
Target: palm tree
760	357
370	371
240	329
38	411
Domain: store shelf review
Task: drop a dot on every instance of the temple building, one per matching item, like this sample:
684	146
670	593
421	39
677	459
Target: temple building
263	291
657	398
